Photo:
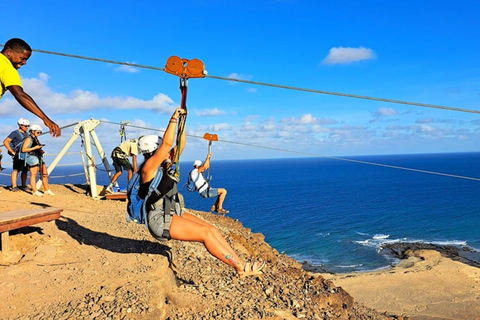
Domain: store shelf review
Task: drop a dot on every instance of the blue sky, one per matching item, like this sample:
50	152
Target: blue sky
419	51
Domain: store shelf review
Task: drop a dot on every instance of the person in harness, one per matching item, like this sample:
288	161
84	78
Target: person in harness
159	155
120	160
34	161
1	157
204	188
13	143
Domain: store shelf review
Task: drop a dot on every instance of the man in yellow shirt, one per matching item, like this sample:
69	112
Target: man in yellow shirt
14	55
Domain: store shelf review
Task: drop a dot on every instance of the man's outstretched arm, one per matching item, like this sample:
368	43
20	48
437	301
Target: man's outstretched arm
28	103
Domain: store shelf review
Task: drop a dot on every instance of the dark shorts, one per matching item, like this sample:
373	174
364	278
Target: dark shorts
119	163
19	164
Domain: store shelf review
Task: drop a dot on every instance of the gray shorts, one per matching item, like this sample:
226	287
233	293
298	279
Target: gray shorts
209	193
159	222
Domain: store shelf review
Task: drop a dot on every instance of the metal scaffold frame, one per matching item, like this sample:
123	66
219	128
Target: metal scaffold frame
87	129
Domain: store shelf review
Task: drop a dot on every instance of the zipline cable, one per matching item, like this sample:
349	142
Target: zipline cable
269	84
324	156
347	95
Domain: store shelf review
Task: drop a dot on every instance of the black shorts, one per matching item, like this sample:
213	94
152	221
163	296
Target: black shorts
19	164
119	163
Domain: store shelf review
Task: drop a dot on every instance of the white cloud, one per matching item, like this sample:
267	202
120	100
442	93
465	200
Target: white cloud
341	55
269	126
239	76
385	112
220	127
248	126
127	69
80	100
209	112
426	120
307	119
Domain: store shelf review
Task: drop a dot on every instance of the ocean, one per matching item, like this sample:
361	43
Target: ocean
337	214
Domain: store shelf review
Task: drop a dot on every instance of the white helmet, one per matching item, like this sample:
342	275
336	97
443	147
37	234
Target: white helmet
23	122
197	163
36	127
150	143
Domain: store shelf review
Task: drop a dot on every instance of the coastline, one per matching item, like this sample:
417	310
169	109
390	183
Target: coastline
429	282
100	266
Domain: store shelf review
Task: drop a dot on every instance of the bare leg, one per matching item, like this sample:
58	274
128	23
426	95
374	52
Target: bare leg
33	178
14	178
24	177
214	230
115	177
46	186
222	193
186	229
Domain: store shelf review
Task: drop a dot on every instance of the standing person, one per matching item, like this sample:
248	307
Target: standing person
204	188
13	144
181	225
120	154
1	157
13	56
34	160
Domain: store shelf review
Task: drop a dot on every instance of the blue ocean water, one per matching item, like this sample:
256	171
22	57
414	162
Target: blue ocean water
336	214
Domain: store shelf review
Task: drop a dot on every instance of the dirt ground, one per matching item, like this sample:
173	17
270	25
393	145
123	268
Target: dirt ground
95	265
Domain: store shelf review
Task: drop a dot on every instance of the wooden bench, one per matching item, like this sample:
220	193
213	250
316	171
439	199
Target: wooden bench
11	220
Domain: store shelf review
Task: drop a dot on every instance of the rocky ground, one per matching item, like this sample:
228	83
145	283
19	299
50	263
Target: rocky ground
98	266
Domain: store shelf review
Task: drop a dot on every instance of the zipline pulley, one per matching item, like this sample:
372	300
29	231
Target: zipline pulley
123	134
210	137
184	69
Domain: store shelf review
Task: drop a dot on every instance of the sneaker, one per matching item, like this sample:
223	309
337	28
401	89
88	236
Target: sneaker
49	192
14	189
109	189
38	194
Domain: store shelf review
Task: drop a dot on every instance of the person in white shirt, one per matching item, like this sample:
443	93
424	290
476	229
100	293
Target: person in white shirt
204	188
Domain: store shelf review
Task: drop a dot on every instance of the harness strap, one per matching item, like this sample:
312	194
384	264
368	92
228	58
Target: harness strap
152	188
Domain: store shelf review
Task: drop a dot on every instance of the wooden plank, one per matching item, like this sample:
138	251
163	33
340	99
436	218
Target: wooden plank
116	196
28	221
12	220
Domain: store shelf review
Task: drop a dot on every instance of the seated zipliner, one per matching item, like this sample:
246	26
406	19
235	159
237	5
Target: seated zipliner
203	186
181	225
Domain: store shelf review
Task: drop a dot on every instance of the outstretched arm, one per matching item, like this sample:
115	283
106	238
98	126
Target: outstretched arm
152	164
28	103
206	164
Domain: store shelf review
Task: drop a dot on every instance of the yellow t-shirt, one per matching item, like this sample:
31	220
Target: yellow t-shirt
8	75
